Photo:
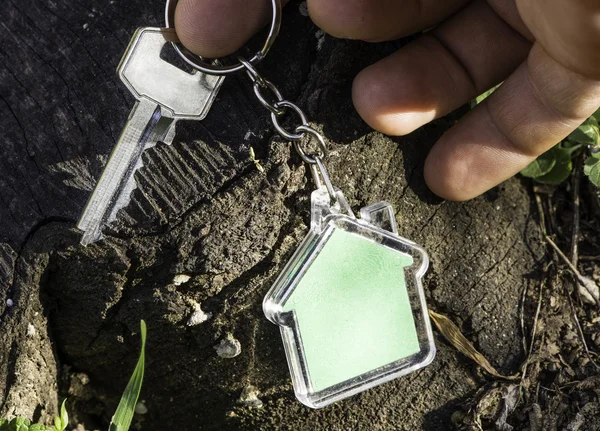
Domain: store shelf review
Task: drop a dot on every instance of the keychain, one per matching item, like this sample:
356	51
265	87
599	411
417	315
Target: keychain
350	303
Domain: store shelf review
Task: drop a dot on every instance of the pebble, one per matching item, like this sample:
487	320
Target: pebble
249	397
198	316
9	302
180	279
140	408
229	347
30	330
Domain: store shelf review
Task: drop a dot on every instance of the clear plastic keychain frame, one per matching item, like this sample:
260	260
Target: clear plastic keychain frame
375	230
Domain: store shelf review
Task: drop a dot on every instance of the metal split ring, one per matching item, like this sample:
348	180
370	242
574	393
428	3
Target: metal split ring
197	62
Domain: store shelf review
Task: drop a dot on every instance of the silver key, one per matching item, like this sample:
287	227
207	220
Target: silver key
165	94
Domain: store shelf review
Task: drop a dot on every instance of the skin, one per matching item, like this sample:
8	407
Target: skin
547	53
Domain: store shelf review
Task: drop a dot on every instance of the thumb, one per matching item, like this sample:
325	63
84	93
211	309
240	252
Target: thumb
215	28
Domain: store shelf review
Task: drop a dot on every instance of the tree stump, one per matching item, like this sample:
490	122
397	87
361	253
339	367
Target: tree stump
202	209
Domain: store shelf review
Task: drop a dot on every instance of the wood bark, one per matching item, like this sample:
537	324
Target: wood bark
203	209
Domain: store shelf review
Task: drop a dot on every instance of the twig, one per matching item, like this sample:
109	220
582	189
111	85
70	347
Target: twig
533	332
580	331
251	362
522	319
590	258
540	207
537	315
573	311
575	271
576	217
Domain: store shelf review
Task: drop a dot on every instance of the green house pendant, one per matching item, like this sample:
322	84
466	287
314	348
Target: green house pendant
350	303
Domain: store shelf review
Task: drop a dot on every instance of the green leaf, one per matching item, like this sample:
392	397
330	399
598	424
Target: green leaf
38	427
64	416
3	424
591	168
587	133
19	424
574	146
483	96
124	414
540	166
561	170
596	115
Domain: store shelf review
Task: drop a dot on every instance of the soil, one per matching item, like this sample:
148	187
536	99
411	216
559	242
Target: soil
202	209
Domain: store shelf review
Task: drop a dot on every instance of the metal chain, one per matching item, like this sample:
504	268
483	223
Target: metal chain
270	97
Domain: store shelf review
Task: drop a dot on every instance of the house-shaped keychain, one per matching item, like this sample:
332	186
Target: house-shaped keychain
350	303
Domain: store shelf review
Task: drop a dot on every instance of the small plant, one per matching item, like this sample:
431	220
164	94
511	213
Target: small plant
124	414
256	162
122	417
483	96
556	164
21	424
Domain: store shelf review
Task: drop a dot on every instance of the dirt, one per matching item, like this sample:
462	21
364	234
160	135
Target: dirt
203	210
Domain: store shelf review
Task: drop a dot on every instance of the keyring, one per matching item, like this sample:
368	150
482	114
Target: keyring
196	61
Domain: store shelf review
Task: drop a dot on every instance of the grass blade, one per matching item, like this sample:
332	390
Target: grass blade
124	414
64	416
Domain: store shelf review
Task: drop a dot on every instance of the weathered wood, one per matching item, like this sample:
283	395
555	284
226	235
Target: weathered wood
203	209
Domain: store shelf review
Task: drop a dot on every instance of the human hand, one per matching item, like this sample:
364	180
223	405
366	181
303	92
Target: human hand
547	52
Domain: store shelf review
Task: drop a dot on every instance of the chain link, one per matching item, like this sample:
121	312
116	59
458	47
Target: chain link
277	105
282	131
259	85
311	159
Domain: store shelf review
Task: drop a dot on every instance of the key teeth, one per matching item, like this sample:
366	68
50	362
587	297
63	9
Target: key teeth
91	236
170	135
125	196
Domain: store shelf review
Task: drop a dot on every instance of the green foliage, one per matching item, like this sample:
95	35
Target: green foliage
483	96
124	414
540	166
555	165
61	423
120	421
591	168
552	167
21	424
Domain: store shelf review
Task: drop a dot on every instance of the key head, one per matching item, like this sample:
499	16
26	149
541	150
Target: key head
181	95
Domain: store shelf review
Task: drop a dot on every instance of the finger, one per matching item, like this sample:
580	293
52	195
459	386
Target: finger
537	107
215	28
569	30
440	71
379	20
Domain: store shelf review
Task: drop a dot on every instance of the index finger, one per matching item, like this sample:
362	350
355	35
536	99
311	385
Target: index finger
215	28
